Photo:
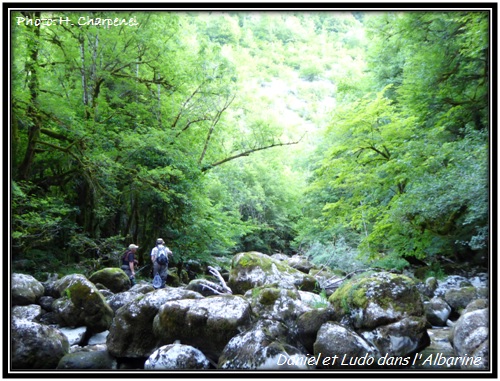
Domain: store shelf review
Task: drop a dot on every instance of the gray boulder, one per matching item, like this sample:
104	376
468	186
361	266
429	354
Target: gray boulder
471	337
142	288
82	304
36	346
309	323
177	357
30	313
336	341
375	300
265	346
46	303
400	338
25	289
277	304
131	334
112	278
437	312
253	269
115	301
207	324
449	283
300	263
459	298
87	360
74	335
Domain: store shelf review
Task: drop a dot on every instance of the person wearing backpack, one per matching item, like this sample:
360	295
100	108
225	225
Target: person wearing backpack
128	262
159	257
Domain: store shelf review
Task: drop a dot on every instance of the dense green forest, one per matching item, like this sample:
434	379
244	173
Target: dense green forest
356	138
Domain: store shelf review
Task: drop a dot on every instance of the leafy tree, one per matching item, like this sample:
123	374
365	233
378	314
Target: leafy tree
406	171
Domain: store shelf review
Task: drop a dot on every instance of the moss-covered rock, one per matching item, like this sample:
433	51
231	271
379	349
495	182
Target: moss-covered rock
36	346
277	304
131	334
112	278
336	340
371	300
253	269
459	298
177	357
401	338
87	360
25	289
207	324
264	346
309	323
82	304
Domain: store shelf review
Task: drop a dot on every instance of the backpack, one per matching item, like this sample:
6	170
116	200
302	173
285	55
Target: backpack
162	256
126	257
157	281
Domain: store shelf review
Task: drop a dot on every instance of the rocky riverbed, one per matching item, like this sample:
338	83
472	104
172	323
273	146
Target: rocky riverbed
282	314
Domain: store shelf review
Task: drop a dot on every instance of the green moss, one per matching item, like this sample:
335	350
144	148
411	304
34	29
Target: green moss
268	296
254	259
353	294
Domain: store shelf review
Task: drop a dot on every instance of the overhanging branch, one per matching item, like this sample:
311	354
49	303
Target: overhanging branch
247	153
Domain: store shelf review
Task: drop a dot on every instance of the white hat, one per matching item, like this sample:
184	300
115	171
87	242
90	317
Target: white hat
132	246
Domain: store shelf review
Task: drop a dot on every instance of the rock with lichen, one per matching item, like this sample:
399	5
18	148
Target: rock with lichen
386	308
267	345
252	269
131	334
207	324
113	278
177	357
25	289
81	304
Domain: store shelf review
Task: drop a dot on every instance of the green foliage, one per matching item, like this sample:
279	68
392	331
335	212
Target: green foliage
405	171
177	128
337	255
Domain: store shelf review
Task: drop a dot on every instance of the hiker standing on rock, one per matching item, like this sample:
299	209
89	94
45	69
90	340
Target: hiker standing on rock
128	262
159	258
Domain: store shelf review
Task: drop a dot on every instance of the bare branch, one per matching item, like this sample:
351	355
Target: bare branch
212	127
215	273
247	153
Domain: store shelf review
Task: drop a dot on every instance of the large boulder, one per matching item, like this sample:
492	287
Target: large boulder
277	304
207	324
400	338
309	323
87	360
300	263
131	334
335	341
36	346
253	269
25	289
113	278
81	304
368	302
471	338
386	309
437	312
116	301
265	346
30	313
177	357
459	298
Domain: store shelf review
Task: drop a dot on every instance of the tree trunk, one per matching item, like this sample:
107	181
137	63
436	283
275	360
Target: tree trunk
24	171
